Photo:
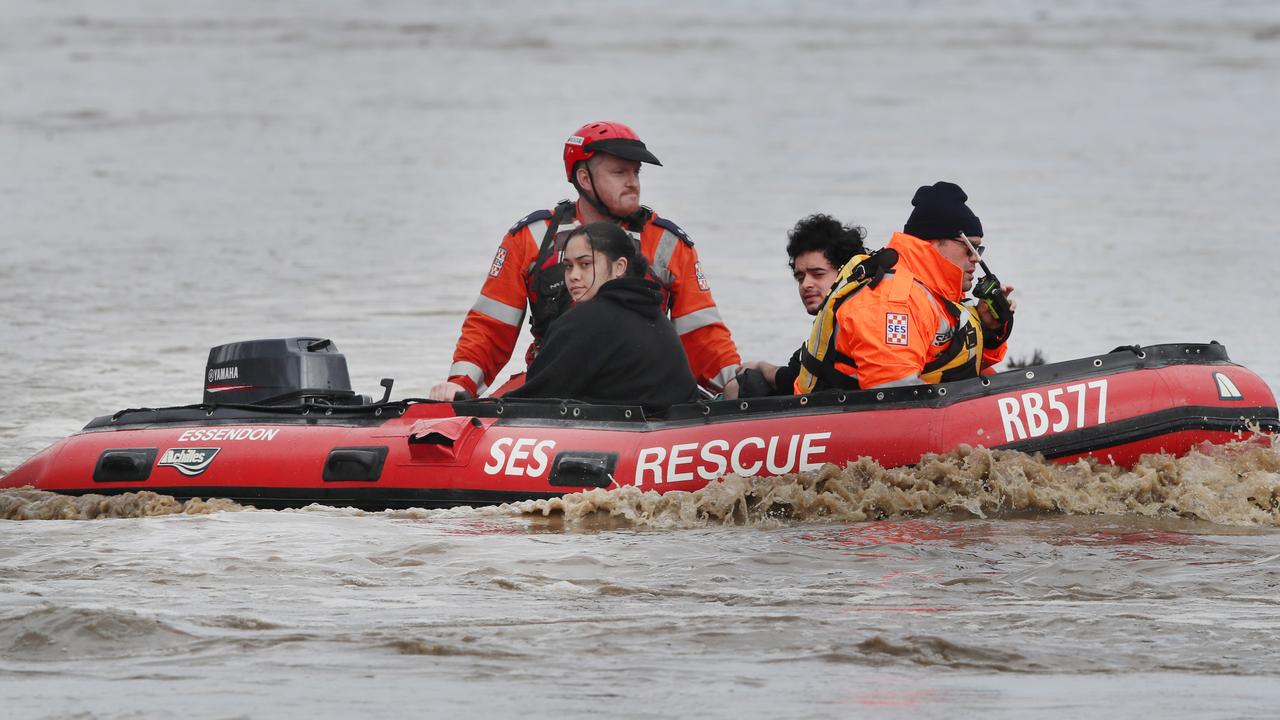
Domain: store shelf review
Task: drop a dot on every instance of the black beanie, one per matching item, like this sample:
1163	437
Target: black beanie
940	213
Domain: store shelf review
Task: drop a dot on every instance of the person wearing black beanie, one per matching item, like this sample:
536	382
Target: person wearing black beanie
940	212
915	326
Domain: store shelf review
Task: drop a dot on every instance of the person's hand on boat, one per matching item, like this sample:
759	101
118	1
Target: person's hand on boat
446	391
769	371
988	319
730	391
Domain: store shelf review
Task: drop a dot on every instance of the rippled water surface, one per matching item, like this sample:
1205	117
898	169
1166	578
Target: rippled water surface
343	613
177	176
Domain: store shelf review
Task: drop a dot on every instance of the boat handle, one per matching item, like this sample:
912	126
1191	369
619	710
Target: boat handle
355	464
125	464
583	468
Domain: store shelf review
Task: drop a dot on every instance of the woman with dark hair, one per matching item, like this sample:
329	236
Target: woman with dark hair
615	345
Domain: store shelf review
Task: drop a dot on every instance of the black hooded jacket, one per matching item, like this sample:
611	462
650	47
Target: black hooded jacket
617	348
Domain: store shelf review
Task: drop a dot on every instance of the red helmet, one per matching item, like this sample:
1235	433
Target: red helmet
611	138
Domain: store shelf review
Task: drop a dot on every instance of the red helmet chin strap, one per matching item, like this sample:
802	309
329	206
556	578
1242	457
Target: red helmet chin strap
593	198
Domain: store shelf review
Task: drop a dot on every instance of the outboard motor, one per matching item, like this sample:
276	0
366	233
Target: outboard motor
278	371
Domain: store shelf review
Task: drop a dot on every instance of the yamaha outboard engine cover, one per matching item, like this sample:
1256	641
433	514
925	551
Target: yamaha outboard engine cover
279	371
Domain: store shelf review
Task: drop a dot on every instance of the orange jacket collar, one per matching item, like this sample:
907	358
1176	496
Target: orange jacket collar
922	258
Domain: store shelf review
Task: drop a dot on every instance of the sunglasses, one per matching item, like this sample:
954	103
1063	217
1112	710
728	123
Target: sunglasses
979	249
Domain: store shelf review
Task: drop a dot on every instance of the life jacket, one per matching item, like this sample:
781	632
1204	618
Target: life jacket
548	298
818	356
962	358
548	295
824	366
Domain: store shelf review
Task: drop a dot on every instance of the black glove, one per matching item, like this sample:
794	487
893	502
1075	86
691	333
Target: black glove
988	290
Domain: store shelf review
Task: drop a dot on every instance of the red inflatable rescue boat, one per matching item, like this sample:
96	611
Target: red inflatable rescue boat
280	427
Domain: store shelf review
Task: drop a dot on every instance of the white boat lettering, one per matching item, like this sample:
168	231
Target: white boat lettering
511	456
776	454
1035	414
224	373
681	454
735	458
713	459
208	434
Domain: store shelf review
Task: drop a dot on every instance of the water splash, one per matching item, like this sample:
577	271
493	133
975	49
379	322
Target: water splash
27	503
1237	484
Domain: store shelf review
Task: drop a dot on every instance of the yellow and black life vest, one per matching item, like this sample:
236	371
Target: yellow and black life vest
818	356
959	327
962	357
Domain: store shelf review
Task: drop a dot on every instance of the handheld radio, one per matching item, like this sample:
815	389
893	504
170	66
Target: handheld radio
988	289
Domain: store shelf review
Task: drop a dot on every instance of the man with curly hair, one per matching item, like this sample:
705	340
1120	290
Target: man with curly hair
817	247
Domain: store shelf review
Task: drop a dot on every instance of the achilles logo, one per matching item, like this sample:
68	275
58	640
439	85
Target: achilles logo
188	461
224	373
1227	390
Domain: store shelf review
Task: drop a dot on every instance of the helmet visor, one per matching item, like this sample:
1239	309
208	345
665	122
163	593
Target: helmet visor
624	148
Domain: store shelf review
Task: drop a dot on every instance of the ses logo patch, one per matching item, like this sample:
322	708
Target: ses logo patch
703	285
188	461
895	328
499	260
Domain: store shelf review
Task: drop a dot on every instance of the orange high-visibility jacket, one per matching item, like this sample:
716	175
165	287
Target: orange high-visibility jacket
492	326
898	330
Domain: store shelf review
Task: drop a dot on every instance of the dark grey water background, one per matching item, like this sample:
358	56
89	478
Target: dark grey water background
173	176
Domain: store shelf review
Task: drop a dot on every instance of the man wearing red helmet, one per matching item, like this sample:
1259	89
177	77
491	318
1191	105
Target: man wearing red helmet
602	161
